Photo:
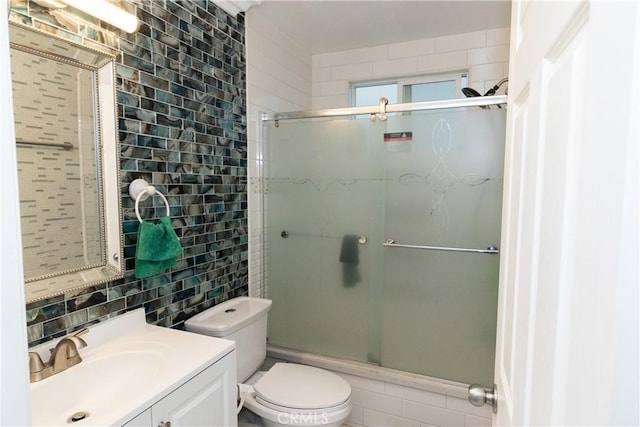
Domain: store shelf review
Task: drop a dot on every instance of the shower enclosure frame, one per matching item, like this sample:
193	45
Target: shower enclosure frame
378	112
383	108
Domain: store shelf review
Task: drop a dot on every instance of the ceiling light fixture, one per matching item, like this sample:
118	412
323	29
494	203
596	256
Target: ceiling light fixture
101	9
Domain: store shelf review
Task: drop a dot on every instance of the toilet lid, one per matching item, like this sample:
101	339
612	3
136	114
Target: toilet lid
302	387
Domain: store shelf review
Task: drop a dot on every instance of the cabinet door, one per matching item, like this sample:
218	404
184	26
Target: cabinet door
142	420
209	399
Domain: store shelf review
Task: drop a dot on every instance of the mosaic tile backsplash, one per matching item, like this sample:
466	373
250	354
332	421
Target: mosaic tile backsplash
181	90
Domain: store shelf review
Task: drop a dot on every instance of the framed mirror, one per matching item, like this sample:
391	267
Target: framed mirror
68	169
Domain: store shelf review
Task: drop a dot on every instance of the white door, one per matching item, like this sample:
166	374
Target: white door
568	322
14	374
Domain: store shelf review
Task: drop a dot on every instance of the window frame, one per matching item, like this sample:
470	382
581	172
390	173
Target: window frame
460	78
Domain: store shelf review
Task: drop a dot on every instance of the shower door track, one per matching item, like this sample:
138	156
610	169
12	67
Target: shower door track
480	101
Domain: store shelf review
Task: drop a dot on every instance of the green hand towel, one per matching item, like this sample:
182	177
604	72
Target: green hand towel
157	247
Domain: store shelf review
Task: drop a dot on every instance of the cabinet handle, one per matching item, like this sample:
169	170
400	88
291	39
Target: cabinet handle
164	424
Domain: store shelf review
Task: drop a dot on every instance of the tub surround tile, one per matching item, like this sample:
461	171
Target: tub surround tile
415	395
379	419
412	48
463	405
498	36
365	383
181	94
471	421
381	397
431	414
370	400
460	41
356	417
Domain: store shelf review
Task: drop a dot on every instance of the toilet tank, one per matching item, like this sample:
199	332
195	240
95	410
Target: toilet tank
243	320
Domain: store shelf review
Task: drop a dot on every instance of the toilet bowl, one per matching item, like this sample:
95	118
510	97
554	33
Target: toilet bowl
288	394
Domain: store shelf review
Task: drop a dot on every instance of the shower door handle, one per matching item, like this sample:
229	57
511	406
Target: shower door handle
478	396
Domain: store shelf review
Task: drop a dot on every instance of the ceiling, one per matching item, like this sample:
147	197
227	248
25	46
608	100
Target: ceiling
327	26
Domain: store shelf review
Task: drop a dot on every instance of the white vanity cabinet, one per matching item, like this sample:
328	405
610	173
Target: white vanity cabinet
208	399
133	374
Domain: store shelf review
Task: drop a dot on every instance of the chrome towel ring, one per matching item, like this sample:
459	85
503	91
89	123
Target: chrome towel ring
139	189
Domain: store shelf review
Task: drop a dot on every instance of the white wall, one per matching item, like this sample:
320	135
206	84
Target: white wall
278	79
484	54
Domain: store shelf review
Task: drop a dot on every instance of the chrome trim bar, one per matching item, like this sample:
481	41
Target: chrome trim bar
65	145
390	243
479	101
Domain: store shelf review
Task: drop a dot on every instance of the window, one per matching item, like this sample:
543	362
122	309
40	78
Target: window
419	89
370	94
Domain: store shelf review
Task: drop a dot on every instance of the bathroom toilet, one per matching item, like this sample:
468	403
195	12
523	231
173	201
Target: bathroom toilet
288	394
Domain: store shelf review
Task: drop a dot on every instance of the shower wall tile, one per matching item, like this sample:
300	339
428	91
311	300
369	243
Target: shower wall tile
471	421
365	383
462	405
483	54
488	72
348	57
443	62
181	87
321	75
415	395
461	41
278	79
356	417
400	66
431	414
412	48
499	36
333	88
380	419
488	55
378	403
352	71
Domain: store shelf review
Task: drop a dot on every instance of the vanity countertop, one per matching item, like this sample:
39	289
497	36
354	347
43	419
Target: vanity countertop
127	366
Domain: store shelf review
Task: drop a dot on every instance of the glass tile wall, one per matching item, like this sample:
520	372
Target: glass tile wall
181	86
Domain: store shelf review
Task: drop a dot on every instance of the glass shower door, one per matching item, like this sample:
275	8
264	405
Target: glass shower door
319	181
443	188
337	189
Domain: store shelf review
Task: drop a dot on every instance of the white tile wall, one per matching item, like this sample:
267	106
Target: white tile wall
281	76
381	397
377	403
278	79
482	54
461	41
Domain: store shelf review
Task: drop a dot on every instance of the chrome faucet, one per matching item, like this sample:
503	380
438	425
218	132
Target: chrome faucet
63	356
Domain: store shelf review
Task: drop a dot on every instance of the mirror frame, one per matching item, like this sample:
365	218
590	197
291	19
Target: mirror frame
106	125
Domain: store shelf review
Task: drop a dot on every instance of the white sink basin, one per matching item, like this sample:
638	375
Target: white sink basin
121	375
98	384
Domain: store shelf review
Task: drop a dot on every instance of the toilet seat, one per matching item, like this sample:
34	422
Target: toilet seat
289	386
296	395
275	407
275	417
